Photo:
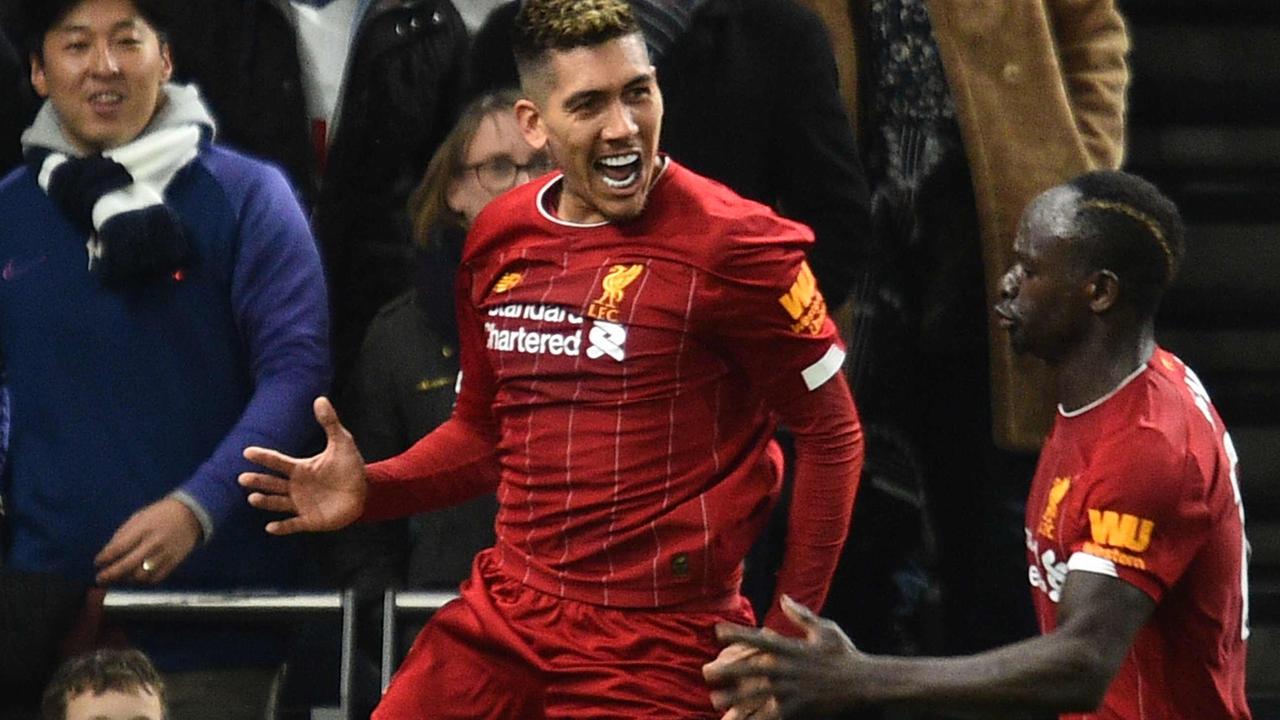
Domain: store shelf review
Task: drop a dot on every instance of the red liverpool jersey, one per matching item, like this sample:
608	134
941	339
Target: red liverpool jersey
1141	485
629	369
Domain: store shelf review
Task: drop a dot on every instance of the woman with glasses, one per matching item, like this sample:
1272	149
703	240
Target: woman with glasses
405	376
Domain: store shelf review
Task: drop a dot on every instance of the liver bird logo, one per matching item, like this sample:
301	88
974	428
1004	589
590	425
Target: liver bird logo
613	285
619	277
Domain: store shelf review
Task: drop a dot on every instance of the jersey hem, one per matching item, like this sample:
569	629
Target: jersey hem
697	598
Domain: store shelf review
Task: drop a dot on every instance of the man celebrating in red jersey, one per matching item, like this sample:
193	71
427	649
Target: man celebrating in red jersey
629	332
1135	531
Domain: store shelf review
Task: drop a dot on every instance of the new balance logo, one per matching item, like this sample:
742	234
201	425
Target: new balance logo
508	281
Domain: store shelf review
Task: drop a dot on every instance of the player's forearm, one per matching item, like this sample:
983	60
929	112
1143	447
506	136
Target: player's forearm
829	453
1043	674
452	464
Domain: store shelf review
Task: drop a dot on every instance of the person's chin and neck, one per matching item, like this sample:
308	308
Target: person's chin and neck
598	110
111	135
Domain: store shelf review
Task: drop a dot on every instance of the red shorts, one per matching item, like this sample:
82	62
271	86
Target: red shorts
506	651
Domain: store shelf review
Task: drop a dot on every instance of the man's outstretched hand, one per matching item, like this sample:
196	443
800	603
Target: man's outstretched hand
816	673
322	492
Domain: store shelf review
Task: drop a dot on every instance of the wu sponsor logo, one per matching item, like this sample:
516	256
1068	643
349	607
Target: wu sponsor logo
613	286
1120	530
804	303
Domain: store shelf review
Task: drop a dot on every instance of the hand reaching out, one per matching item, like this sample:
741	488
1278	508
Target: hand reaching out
817	673
321	492
756	701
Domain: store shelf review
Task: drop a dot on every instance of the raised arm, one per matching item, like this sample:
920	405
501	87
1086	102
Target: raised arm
453	463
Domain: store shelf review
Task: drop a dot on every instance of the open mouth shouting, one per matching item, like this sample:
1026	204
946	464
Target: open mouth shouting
619	172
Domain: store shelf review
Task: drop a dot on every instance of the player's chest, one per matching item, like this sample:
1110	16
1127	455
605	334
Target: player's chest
599	314
1052	517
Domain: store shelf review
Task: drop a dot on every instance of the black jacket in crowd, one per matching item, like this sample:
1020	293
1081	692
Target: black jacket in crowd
401	95
17	103
752	101
403	387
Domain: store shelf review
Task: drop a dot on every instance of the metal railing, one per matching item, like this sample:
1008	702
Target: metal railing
269	607
246	607
413	603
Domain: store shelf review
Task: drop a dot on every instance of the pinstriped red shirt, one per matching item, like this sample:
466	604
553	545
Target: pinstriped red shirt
628	370
1141	485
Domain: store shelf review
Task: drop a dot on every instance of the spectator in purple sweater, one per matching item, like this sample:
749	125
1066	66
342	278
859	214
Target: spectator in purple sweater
162	306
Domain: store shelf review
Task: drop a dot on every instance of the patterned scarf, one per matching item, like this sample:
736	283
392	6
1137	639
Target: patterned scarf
117	196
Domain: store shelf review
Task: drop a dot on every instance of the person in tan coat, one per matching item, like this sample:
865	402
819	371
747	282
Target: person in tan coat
966	110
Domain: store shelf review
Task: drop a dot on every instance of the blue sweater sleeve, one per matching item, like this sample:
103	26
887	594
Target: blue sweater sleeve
279	299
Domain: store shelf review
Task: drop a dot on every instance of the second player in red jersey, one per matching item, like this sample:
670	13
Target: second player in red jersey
1141	486
1135	530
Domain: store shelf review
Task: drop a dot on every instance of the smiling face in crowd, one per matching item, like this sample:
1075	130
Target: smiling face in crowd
102	66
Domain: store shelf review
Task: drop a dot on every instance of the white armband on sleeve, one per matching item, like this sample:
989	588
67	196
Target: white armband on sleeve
824	369
1091	563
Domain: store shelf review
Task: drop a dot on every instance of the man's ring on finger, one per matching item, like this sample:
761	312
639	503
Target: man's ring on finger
148	566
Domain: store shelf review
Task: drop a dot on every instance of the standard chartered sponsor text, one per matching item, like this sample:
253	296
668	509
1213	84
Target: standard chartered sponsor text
537	313
605	338
533	342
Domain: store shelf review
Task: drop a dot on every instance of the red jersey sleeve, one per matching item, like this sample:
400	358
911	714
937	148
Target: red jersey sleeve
1143	516
829	453
770	320
770	317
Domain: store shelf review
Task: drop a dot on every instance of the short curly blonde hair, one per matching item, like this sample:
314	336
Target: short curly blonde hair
545	25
